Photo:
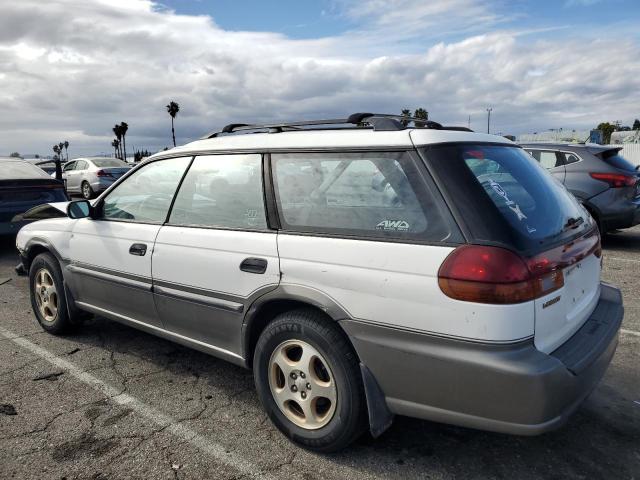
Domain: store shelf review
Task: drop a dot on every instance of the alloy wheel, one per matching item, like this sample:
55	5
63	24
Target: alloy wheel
46	295
302	384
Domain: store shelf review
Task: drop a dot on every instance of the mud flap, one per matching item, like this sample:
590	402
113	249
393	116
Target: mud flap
380	417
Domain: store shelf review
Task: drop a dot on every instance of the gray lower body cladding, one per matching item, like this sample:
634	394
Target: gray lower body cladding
511	388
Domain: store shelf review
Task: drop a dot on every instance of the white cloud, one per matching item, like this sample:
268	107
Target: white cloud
73	68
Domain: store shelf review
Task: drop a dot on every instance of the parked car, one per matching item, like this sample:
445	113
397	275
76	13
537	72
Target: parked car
23	186
606	183
361	270
93	175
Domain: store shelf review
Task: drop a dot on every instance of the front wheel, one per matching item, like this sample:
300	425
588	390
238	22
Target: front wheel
47	295
308	380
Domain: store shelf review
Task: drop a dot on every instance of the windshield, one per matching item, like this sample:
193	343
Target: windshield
506	196
109	163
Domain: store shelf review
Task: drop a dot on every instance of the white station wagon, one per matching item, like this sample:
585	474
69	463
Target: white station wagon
362	267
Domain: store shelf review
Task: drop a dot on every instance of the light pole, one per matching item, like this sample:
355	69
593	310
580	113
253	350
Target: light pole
489	110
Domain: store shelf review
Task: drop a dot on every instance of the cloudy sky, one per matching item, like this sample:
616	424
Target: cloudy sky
71	69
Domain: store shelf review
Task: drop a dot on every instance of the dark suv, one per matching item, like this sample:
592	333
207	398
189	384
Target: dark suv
606	183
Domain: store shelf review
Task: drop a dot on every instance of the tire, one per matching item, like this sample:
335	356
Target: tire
87	191
333	370
48	298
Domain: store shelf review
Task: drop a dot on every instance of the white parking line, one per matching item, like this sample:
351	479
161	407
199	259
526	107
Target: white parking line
215	450
621	259
630	332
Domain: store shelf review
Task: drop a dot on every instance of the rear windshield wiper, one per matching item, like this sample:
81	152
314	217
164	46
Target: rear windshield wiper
572	223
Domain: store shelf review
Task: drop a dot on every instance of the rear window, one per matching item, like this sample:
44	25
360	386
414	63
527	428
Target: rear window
504	195
108	163
20	170
613	158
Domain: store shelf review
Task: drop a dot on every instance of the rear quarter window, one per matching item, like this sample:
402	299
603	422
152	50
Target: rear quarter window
365	194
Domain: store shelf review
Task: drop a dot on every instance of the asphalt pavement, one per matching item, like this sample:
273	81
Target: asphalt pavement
113	402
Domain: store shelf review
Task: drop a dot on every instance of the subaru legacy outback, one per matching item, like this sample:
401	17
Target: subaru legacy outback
362	267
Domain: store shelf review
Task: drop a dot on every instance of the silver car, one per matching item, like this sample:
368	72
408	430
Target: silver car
90	176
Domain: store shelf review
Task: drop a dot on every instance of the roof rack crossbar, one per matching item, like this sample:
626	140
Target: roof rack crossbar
378	121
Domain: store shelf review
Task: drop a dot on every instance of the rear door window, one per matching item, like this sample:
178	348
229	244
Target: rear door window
363	194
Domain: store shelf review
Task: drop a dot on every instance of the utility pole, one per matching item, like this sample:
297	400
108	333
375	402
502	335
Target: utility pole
469	123
489	110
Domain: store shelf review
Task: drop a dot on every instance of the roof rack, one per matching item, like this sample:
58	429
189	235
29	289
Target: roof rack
376	121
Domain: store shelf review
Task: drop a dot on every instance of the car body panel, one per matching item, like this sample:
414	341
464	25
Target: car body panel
200	291
397	286
117	281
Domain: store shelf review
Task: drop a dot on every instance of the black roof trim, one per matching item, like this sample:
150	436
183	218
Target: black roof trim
376	121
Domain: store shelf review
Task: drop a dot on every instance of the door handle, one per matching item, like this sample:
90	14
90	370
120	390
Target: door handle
138	249
254	265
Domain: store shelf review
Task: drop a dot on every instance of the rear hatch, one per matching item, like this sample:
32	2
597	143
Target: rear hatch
613	158
504	198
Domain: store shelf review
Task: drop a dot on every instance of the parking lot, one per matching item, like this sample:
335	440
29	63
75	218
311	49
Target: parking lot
112	402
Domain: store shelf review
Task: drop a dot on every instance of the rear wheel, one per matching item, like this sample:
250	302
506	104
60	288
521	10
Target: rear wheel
47	295
308	380
87	191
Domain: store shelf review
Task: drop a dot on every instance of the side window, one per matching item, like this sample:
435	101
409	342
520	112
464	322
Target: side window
546	158
145	196
222	191
368	194
69	166
569	158
81	165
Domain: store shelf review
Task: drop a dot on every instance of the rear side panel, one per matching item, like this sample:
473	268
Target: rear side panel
396	285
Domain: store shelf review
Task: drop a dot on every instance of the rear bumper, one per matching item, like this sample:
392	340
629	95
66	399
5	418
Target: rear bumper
511	388
617	211
100	185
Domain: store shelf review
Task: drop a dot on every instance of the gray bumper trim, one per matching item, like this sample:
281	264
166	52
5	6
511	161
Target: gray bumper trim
505	388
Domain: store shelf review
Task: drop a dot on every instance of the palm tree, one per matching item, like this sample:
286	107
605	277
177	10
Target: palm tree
406	113
123	130
66	148
173	108
115	144
117	130
423	114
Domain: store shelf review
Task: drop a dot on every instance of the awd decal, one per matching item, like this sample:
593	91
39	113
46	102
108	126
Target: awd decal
393	225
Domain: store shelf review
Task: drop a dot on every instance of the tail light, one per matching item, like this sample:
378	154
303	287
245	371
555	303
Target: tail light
483	274
102	173
615	180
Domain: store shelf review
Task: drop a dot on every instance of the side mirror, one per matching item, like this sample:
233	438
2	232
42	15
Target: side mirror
79	209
